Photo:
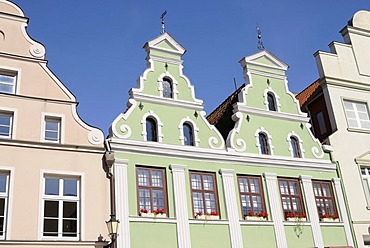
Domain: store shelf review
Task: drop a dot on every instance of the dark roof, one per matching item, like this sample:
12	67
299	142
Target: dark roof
221	116
308	94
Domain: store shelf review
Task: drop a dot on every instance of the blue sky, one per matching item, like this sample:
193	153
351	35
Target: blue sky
95	46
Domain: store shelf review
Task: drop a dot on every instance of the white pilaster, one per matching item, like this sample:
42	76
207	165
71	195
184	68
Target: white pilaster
232	207
276	210
312	210
122	210
343	210
181	205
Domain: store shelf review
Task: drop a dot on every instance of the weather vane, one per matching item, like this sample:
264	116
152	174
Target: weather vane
162	18
259	36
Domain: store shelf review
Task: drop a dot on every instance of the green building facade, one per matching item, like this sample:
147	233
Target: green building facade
251	174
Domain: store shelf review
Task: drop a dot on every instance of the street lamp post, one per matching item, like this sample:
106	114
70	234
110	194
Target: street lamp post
113	223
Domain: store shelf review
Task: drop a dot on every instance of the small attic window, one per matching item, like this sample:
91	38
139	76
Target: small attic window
167	88
271	101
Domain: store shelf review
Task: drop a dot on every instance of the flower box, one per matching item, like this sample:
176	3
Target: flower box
207	217
329	220
255	218
295	219
153	215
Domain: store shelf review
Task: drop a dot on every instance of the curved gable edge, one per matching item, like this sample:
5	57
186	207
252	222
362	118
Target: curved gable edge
213	141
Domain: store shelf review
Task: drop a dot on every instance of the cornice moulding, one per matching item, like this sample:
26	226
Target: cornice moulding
217	156
265	113
170	102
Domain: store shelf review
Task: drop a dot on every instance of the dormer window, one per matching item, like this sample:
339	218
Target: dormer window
296	150
271	101
167	88
151	129
264	145
188	134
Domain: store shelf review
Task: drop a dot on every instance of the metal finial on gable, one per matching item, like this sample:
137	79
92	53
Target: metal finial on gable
259	37
162	18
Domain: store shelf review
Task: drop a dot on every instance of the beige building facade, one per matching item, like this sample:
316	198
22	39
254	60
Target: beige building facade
53	189
339	106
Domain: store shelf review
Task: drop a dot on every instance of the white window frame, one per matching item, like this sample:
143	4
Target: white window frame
355	104
59	117
12	71
366	183
174	85
60	198
300	144
11	129
155	117
7	204
269	140
276	98
195	131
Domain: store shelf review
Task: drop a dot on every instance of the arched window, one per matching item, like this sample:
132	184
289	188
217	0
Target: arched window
296	150
151	130
167	87
188	134
264	145
271	101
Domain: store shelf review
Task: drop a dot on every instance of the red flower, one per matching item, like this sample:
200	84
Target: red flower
144	211
214	213
199	213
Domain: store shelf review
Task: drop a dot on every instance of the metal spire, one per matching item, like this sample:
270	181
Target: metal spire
259	37
162	18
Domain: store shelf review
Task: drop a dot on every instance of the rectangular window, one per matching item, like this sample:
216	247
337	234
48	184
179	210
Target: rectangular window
52	129
7	83
321	122
6	125
324	199
291	196
204	193
357	114
365	173
251	195
61	200
4	184
151	188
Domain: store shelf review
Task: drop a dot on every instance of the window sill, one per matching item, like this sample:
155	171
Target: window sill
329	220
295	219
207	217
255	218
358	130
153	215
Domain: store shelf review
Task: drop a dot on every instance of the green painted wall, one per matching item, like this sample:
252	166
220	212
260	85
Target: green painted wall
152	234
333	236
304	240
258	236
205	235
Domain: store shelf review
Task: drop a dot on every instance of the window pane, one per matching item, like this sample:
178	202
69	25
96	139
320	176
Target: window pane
158	199
271	102
2	226
151	130
5	124
167	88
51	186
284	187
157	178
2	207
198	202
69	209
144	199
70	187
143	177
188	135
50	227
196	181
51	209
7	83
52	129
254	185
3	182
207	182
69	228
243	185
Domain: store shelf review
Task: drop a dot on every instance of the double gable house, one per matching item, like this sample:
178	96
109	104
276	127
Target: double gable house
260	179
